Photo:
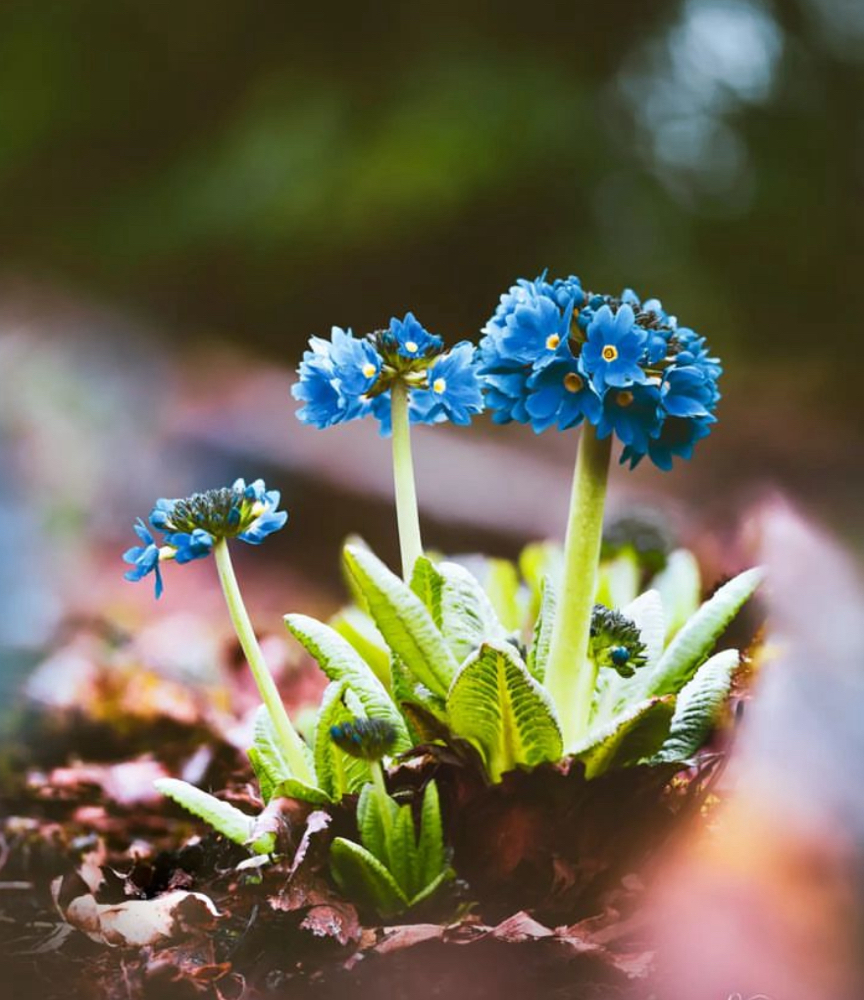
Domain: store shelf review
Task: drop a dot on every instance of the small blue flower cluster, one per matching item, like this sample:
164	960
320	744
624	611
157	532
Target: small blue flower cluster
347	377
554	354
191	526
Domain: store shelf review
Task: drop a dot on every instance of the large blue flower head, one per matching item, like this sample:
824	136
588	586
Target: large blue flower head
554	354
347	378
191	526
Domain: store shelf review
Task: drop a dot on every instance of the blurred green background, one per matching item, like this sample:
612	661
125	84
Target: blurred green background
188	191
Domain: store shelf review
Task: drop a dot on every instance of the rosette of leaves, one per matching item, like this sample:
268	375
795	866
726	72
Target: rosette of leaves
442	652
394	868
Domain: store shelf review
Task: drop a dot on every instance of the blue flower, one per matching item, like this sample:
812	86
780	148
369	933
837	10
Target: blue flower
633	415
454	391
624	366
561	393
318	387
193	525
410	339
144	558
614	349
348	378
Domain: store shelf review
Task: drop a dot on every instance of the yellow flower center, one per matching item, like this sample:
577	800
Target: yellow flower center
410	347
258	509
573	382
624	398
369	370
609	352
552	341
439	385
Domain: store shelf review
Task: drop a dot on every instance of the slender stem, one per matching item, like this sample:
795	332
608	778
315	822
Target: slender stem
292	745
407	516
384	801
570	673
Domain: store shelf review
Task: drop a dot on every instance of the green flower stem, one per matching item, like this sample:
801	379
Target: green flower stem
570	673
292	745
407	516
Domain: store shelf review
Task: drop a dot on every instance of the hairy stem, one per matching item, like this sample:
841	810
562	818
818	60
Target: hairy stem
292	745
407	516
570	673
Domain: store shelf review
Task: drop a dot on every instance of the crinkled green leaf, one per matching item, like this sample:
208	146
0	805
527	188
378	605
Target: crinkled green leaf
403	620
696	639
680	586
537	561
698	706
427	583
222	816
467	616
358	628
341	662
338	773
632	736
496	704
429	890
365	880
267	759
538	654
373	822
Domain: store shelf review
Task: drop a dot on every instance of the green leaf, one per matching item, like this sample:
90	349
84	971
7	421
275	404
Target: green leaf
291	788
679	586
338	773
374	823
357	628
430	847
618	580
222	816
404	859
363	878
496	704
698	706
542	640
427	583
537	561
403	620
467	616
267	759
646	612
341	662
694	642
429	890
501	583
635	734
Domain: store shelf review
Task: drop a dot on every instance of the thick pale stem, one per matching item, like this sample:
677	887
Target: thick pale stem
407	516
570	673
292	745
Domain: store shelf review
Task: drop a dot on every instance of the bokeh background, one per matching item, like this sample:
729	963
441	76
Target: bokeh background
188	191
187	194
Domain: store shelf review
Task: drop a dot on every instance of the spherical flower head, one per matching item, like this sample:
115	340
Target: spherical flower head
614	349
368	739
616	641
554	354
193	525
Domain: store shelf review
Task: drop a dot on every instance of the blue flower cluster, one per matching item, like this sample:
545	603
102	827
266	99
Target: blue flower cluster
347	377
191	526
554	354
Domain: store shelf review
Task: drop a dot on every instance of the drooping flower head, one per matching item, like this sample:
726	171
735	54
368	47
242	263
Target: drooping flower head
553	354
616	641
350	377
191	526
